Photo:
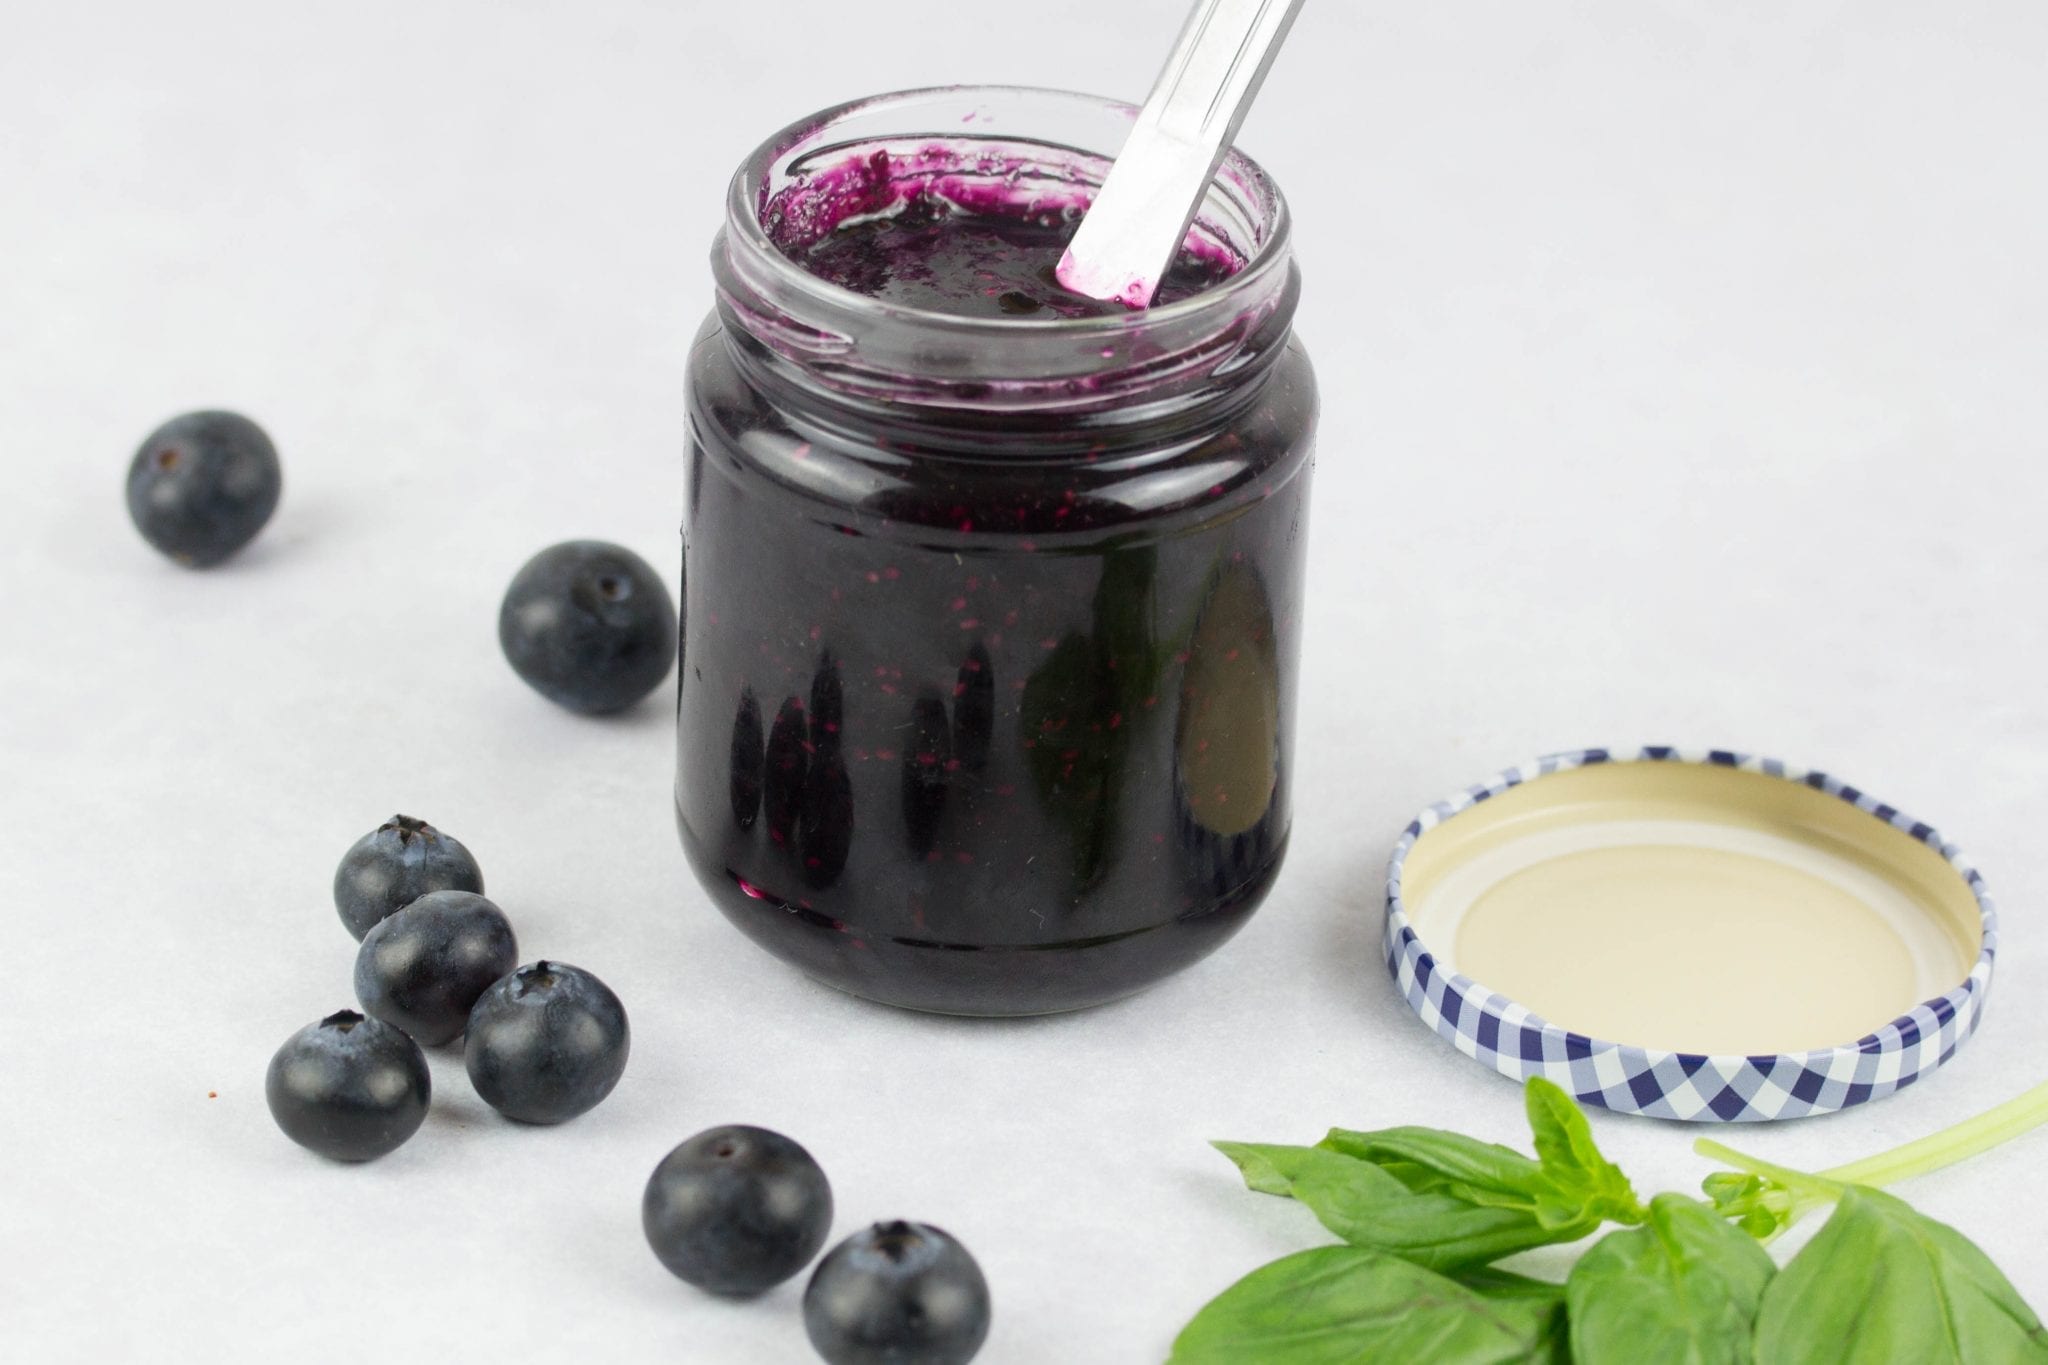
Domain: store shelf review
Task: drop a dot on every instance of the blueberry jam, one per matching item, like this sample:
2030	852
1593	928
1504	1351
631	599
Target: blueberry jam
989	640
931	255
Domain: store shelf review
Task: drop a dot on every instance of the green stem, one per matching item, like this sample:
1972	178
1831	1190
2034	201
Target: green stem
2018	1114
1950	1145
1806	1188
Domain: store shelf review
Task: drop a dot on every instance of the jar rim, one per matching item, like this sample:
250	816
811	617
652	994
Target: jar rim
1264	259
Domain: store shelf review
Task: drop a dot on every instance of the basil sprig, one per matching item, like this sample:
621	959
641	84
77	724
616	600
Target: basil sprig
1424	1214
1369	1206
1444	1200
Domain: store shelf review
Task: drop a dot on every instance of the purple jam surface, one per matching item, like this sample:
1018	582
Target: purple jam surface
935	257
978	240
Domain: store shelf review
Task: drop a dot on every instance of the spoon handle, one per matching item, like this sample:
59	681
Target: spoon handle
1141	214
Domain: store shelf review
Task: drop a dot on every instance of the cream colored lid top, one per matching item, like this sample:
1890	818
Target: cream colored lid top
1692	908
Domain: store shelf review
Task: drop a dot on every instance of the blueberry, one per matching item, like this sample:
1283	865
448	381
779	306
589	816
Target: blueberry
423	968
589	626
202	486
737	1210
897	1294
348	1087
394	865
546	1043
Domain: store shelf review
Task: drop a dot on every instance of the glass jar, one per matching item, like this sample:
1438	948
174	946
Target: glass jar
990	626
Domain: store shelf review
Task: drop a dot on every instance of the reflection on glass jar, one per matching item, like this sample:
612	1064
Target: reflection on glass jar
974	709
787	764
927	766
825	829
1226	746
1081	707
749	762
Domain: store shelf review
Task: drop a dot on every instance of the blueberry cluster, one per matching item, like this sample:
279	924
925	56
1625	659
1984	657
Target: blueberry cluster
737	1210
542	1043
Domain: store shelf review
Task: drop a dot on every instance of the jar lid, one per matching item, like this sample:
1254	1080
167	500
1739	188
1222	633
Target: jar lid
1692	935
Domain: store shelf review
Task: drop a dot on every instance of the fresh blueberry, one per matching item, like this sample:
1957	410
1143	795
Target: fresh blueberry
348	1087
897	1294
737	1210
202	486
546	1043
394	865
423	968
589	626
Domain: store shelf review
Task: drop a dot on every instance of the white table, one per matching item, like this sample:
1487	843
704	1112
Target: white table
1683	371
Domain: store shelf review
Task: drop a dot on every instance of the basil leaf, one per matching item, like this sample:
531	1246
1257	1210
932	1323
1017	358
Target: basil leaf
1505	1284
1571	1187
1266	1167
1428	1159
1501	1286
1582	1180
1682	1288
1880	1283
1342	1305
1368	1207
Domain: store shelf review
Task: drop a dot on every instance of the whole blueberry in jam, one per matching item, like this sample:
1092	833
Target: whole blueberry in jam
589	626
202	485
347	1087
737	1209
896	1293
546	1043
394	865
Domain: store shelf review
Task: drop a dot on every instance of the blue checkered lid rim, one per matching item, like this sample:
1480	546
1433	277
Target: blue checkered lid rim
1704	1087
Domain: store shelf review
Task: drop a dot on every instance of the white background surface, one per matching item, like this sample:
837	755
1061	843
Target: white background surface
1683	375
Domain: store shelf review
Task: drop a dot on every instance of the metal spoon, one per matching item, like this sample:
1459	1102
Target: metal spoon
1140	216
